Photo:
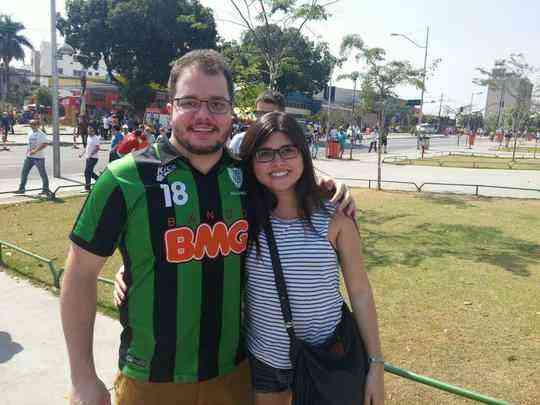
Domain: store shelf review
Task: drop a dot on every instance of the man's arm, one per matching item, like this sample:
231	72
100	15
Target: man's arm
78	311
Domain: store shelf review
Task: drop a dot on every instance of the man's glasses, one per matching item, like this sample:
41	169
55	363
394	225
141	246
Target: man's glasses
286	152
192	104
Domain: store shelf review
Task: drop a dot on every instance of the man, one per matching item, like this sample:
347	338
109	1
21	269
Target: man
384	140
5	123
176	211
374	140
82	128
91	155
116	140
267	101
37	141
135	140
106	125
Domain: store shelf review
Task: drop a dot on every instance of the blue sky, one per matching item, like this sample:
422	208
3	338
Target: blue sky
464	34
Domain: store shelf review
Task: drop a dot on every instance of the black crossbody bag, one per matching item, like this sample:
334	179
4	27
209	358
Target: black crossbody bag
333	373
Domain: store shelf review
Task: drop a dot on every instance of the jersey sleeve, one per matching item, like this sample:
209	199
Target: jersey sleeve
102	218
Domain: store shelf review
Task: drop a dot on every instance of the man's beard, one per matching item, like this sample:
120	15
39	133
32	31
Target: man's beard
197	150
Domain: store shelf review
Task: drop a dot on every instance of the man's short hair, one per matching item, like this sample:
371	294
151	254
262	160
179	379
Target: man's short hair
209	61
272	97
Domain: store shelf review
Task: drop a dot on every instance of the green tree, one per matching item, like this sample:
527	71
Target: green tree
43	96
383	78
274	28
18	91
137	39
12	45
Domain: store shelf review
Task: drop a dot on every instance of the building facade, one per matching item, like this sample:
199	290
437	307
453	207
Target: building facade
66	62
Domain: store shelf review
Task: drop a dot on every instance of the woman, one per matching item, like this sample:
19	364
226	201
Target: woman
311	239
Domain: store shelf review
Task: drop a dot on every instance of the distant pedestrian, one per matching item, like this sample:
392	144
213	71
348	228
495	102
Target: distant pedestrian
384	140
5	124
106	123
507	137
91	155
374	138
133	141
12	122
116	140
82	128
342	139
37	141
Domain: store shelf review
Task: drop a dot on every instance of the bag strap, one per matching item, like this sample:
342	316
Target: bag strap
280	281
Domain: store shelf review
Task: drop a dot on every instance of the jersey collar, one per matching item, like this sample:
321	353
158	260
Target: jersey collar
168	153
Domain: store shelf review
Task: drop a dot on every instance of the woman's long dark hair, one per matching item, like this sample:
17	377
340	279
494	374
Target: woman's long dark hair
261	201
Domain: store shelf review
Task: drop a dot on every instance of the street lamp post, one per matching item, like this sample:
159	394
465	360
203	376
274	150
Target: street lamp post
425	47
54	69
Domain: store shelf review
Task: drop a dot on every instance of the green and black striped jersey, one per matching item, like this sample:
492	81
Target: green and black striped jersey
182	235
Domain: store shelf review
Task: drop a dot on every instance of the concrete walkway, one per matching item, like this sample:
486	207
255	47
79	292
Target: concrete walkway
34	366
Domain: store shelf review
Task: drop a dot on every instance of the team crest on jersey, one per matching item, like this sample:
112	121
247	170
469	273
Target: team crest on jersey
236	176
164	171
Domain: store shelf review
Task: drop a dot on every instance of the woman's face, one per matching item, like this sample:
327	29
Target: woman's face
278	171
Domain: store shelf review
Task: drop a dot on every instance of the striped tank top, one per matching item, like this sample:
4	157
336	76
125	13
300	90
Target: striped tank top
311	270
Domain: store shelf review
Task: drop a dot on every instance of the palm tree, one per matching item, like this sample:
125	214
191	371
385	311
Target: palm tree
11	47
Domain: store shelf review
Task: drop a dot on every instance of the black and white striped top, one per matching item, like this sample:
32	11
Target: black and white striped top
310	266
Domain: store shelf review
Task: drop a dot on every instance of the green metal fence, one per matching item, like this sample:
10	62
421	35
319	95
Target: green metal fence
409	375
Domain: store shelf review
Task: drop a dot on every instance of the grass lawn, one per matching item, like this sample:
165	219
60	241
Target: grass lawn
477	162
456	280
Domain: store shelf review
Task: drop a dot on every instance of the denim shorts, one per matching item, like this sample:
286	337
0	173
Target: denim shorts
267	379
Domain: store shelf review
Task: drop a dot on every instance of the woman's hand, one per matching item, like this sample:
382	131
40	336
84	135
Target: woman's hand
120	288
374	394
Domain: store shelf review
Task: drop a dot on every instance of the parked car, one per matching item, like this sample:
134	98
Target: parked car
426	129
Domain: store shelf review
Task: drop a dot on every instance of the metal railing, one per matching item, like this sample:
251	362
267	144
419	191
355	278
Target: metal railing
55	273
419	188
50	197
409	375
432	156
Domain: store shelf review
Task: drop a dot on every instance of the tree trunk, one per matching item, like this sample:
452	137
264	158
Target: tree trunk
379	141
4	81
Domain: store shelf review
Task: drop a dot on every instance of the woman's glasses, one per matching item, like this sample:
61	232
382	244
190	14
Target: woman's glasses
286	152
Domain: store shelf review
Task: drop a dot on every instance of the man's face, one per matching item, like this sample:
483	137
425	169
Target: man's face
262	108
200	132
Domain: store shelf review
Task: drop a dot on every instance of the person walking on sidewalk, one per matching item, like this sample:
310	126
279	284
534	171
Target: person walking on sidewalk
374	140
91	154
384	140
37	141
5	124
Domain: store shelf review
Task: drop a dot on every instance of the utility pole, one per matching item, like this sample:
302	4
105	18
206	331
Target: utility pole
440	110
424	77
501	102
55	126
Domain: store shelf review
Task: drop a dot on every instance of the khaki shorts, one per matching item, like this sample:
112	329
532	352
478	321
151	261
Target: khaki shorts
231	389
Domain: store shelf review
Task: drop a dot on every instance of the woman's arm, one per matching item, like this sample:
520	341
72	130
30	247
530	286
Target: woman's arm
346	238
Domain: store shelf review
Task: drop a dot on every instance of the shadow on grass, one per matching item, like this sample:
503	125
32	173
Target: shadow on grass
373	217
467	242
445	200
